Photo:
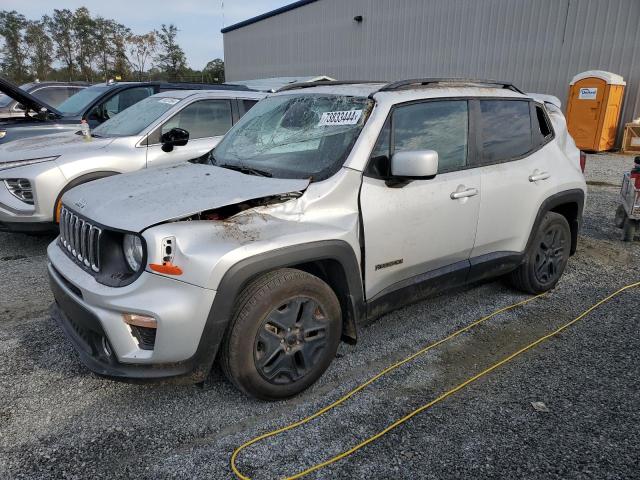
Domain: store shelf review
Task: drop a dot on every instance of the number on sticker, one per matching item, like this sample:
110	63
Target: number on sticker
349	117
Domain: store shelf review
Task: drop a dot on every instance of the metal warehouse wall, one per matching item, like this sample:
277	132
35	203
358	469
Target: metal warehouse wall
537	44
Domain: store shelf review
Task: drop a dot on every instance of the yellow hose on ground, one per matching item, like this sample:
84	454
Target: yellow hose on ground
424	407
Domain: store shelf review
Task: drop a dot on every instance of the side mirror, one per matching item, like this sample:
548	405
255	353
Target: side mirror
20	106
176	137
416	165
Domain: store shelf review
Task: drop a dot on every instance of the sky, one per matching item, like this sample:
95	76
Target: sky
199	21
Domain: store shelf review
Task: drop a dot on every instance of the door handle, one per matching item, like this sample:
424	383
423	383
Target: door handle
469	192
536	176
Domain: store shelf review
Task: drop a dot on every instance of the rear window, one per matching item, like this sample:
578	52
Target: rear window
505	130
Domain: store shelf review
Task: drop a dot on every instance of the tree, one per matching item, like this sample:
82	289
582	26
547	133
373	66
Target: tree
171	58
83	34
40	48
141	49
109	40
14	51
215	69
119	36
60	26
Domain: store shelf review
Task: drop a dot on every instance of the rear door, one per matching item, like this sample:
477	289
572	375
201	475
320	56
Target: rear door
415	230
516	164
206	121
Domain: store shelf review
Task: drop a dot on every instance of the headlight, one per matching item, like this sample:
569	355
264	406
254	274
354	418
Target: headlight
21	189
22	163
3	133
132	248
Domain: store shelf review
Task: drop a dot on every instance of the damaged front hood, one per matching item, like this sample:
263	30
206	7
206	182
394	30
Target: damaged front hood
136	201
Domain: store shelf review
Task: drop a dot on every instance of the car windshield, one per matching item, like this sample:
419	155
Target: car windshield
294	136
76	103
136	118
6	99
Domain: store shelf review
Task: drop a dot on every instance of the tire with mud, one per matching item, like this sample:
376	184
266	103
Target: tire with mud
546	257
283	335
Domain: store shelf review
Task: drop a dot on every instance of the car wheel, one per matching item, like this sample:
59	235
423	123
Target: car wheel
547	256
283	335
620	217
629	230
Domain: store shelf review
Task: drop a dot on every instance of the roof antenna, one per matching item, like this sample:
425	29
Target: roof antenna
222	8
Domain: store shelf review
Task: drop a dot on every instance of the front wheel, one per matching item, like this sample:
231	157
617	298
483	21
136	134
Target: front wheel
283	335
546	257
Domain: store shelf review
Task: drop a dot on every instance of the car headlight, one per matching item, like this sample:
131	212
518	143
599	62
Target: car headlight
133	251
22	163
3	133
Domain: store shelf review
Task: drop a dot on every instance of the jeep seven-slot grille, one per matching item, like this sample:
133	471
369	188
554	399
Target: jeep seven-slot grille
81	239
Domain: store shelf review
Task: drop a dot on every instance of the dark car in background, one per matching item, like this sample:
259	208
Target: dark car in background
52	93
95	104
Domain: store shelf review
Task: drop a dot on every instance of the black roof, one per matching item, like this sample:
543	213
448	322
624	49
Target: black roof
272	13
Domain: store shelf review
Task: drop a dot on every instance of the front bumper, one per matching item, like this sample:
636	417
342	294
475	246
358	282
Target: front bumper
91	316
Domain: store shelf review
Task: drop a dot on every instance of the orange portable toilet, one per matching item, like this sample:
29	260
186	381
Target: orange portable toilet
593	110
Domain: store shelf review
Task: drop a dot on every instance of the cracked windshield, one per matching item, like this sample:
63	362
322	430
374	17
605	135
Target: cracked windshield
294	136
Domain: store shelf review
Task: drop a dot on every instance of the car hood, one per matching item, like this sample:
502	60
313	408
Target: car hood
12	90
50	145
136	201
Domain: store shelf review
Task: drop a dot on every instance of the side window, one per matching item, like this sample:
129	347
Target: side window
206	118
379	165
123	100
54	96
544	125
505	130
442	126
247	104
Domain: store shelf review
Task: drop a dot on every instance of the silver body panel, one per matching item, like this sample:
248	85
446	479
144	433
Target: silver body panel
421	223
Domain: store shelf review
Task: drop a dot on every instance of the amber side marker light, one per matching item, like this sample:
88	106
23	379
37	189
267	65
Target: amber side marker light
139	320
167	268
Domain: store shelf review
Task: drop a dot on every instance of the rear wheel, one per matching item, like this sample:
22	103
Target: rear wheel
284	334
547	256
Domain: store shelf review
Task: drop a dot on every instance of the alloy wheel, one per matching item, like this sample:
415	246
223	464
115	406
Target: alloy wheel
290	341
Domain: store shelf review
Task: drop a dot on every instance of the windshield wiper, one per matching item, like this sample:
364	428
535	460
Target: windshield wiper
248	170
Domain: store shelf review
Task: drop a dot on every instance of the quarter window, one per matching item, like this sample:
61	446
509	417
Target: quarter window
543	123
505	129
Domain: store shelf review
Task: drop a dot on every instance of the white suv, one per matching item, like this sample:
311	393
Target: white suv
325	205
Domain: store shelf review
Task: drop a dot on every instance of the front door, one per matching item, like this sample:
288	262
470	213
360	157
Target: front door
421	226
206	121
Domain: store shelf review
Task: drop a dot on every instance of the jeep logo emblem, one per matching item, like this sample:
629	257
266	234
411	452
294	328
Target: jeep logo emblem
80	203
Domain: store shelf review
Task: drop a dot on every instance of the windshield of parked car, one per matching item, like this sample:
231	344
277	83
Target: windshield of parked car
294	136
5	100
136	118
78	102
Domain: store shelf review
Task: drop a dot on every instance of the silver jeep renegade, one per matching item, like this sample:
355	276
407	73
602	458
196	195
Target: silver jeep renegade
324	205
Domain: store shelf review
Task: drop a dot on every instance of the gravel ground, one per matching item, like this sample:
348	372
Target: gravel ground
59	421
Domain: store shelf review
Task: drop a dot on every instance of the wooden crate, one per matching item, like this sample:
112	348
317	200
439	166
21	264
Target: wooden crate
631	139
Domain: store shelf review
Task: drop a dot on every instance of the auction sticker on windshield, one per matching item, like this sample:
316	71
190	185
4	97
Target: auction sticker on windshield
349	117
170	101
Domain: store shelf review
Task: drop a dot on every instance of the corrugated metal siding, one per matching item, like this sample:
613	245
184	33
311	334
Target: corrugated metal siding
536	44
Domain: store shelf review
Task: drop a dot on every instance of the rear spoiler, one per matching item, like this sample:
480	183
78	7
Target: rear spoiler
546	99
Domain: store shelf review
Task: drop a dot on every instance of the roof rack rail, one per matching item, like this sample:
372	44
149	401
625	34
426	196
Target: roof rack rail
297	86
428	81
